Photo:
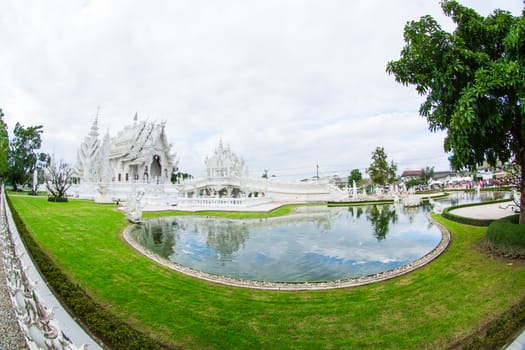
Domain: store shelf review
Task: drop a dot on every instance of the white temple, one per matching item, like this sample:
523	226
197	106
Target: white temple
139	154
224	163
139	160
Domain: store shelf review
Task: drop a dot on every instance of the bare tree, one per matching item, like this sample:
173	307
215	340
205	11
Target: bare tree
58	180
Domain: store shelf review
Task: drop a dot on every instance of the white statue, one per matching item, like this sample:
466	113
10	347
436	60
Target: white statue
35	181
134	207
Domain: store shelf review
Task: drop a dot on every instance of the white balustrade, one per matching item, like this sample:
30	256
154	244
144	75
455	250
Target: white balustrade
35	319
222	202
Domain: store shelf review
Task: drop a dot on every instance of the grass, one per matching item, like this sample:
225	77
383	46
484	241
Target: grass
284	210
433	307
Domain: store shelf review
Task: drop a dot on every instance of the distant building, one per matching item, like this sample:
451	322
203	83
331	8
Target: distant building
411	174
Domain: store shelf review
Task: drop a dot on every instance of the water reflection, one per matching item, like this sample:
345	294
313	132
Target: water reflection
380	216
456	198
356	212
158	236
311	244
225	239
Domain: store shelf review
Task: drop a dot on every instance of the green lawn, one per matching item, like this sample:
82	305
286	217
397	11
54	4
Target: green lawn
432	307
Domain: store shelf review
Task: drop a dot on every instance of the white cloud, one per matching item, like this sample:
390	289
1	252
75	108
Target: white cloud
288	85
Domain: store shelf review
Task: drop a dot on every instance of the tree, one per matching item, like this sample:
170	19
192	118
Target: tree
58	180
474	83
179	176
23	158
4	147
355	175
380	171
427	174
380	217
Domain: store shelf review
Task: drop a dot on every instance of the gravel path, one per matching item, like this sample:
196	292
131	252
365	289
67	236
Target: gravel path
11	337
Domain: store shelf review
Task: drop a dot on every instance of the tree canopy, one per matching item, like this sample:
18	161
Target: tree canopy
4	147
23	155
380	171
355	175
474	83
427	174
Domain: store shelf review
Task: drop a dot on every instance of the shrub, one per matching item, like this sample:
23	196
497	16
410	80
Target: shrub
506	237
57	199
498	331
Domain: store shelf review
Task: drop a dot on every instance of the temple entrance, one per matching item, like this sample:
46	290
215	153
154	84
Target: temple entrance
156	169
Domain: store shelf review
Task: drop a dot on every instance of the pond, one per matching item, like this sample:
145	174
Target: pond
313	244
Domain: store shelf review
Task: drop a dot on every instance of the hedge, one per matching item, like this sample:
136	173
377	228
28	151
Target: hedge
506	237
57	199
498	331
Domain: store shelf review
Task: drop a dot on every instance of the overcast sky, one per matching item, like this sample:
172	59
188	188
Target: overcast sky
287	84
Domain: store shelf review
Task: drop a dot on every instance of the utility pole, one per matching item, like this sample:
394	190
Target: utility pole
317	171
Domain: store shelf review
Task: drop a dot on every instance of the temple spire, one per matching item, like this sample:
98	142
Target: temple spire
94	127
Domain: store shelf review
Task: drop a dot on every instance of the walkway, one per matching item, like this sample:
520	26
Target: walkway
485	211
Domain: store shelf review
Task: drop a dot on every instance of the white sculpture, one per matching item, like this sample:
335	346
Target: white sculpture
412	200
35	181
134	207
102	195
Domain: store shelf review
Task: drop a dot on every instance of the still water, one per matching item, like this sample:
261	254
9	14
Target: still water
314	243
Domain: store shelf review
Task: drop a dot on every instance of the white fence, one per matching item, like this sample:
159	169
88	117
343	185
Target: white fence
44	327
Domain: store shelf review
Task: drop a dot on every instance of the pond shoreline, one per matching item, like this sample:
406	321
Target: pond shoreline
299	286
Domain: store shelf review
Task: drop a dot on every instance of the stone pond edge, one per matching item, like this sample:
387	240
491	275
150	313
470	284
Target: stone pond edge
300	286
